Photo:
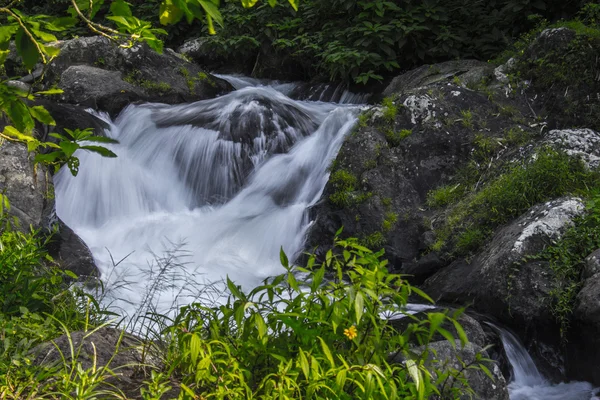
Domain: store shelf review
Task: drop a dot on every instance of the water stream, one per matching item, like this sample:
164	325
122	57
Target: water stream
212	189
201	191
527	383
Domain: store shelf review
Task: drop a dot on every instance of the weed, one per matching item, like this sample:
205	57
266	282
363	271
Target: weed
390	110
394	138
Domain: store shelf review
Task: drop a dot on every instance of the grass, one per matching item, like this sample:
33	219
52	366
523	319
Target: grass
346	192
549	175
395	137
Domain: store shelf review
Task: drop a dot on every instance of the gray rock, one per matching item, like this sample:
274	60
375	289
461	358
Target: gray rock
25	187
468	71
592	265
165	77
584	143
549	40
97	88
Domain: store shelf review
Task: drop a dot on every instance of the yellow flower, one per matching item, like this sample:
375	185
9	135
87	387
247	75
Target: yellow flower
351	332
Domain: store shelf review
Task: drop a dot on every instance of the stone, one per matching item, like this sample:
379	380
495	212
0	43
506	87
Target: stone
592	265
25	187
468	71
93	64
583	143
98	88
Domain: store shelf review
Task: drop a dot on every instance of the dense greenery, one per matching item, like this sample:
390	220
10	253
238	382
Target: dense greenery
364	40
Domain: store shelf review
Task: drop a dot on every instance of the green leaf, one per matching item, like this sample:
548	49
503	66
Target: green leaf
26	49
60	24
327	352
169	13
120	8
272	3
449	337
359	305
68	148
45	36
51	50
249	3
103	151
235	291
461	332
294	4
18	112
101	139
49	92
6	32
283	258
212	11
3	56
304	363
42	115
47	158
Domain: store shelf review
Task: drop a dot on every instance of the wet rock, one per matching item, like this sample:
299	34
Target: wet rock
25	187
549	41
583	346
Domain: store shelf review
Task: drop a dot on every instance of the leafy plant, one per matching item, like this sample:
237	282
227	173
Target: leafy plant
69	143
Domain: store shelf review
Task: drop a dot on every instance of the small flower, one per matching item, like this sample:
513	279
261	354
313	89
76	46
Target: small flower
351	332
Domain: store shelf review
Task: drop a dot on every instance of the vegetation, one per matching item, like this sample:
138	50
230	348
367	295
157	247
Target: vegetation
313	338
346	191
550	174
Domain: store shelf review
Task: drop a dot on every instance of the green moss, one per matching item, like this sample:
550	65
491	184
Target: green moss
370	164
345	192
375	240
389	221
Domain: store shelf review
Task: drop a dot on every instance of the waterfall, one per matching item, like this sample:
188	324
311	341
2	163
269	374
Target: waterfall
527	383
200	192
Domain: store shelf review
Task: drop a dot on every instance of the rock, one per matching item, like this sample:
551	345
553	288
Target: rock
549	41
468	71
583	346
25	187
584	143
471	326
380	179
445	356
124	356
98	88
497	282
90	63
592	265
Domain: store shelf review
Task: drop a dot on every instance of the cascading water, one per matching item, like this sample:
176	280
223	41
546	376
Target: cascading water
199	192
528	384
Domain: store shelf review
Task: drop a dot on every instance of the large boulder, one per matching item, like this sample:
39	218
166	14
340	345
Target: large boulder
468	72
94	71
498	282
416	142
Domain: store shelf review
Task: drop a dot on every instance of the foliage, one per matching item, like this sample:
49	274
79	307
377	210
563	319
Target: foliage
346	191
319	339
362	41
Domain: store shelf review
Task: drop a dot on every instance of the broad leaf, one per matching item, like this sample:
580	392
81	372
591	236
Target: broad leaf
103	151
120	8
26	49
42	115
169	13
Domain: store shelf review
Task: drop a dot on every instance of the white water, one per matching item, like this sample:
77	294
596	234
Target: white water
527	383
199	192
